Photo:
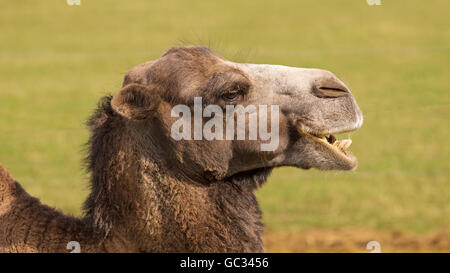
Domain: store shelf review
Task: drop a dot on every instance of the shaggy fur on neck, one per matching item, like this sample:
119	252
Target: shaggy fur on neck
124	185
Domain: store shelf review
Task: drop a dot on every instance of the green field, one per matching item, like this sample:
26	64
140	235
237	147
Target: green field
57	60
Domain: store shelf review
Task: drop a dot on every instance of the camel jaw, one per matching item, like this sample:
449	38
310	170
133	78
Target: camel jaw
338	149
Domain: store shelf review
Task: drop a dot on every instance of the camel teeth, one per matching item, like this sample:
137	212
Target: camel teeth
336	143
345	143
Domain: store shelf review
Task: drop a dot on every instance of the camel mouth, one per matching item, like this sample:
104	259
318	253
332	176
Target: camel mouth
337	148
331	141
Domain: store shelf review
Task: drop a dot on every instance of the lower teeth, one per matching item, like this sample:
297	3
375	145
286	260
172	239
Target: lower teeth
343	144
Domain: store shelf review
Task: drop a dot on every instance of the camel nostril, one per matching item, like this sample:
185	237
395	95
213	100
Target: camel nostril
329	88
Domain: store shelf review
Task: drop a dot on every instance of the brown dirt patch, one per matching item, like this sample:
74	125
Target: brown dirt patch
355	240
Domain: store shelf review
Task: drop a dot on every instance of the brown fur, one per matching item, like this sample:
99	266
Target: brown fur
135	207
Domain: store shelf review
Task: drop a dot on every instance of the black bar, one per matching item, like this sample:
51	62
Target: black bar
275	262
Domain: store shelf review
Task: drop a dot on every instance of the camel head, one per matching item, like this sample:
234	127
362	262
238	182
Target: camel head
186	104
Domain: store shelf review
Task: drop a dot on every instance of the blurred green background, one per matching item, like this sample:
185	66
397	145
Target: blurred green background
57	60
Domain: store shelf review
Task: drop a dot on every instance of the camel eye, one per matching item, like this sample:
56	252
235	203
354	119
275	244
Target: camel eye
231	96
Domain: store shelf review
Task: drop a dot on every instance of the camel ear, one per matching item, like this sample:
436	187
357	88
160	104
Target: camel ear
136	101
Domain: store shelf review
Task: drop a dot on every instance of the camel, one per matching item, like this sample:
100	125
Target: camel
153	193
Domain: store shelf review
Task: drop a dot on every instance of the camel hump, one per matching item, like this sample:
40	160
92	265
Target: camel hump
5	177
7	183
7	191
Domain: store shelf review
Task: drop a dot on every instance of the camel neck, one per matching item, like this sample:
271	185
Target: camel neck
156	211
146	205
